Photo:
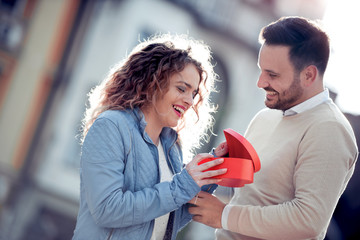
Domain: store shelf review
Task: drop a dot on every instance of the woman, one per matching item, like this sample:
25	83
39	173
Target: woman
133	183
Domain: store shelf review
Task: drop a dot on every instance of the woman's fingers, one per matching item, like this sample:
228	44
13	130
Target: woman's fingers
200	157
206	177
214	173
201	174
193	164
211	164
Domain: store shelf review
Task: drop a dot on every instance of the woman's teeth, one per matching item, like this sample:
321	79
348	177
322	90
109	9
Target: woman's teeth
179	109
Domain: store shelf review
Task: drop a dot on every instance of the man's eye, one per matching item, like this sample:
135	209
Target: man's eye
272	75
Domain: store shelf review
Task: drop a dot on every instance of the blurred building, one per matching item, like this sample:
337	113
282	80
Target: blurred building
52	52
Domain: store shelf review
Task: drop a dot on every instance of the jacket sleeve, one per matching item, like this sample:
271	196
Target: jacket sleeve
102	166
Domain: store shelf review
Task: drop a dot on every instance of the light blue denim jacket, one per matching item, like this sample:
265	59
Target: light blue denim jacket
120	193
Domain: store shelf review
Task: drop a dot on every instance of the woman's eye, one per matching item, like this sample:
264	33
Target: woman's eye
181	89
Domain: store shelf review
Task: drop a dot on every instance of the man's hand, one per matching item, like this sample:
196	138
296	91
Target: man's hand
207	209
222	149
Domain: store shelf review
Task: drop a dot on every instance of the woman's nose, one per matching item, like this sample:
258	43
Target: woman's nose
189	99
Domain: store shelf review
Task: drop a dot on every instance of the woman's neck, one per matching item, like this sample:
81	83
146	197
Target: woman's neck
153	129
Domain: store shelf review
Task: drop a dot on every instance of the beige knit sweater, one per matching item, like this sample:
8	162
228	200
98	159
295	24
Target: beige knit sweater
306	162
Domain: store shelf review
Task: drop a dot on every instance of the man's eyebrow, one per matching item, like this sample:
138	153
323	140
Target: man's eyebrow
270	71
267	70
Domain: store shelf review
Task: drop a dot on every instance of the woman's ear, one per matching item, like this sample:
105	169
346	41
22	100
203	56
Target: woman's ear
309	75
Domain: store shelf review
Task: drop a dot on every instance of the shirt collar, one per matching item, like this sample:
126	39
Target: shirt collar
308	104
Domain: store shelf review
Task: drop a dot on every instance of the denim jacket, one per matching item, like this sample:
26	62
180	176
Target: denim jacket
120	193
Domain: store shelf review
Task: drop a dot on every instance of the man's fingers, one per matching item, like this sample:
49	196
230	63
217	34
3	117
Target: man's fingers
222	149
197	218
199	197
194	210
203	194
208	210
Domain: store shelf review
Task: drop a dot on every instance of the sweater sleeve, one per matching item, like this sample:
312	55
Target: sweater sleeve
102	170
326	160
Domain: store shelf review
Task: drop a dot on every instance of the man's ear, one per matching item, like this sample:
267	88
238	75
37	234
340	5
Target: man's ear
309	75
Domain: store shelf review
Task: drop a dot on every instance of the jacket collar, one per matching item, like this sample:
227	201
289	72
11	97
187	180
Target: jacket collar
168	136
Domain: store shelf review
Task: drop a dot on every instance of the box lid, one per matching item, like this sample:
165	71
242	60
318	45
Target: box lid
239	147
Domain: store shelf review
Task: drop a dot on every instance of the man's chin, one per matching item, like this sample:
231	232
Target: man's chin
270	105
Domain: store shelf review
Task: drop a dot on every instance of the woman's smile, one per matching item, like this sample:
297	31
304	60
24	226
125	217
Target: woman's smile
179	110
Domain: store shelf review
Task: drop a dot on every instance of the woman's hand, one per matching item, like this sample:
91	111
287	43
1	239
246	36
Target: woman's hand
197	171
221	150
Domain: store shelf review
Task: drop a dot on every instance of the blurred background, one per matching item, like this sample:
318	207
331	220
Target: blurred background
52	52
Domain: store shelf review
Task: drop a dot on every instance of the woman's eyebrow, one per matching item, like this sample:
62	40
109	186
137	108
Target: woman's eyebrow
187	84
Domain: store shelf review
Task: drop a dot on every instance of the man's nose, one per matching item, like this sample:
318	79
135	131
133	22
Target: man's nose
262	82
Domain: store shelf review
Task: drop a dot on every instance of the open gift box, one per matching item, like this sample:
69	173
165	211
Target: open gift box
242	163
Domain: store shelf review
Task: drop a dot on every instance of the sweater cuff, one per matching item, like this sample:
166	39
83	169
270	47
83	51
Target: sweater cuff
225	217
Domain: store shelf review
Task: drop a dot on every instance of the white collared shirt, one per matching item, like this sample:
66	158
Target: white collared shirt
308	104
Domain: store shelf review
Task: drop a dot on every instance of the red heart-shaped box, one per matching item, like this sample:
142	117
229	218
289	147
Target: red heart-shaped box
242	163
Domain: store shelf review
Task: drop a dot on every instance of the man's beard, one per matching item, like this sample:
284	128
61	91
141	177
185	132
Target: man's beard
287	98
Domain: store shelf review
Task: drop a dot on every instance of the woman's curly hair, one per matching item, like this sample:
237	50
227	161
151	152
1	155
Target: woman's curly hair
145	73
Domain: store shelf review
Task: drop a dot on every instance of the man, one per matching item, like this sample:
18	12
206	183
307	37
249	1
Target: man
306	146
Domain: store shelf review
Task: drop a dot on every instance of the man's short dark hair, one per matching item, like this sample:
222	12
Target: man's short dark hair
309	44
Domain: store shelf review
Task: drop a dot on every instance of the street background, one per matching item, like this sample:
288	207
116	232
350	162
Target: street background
52	52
